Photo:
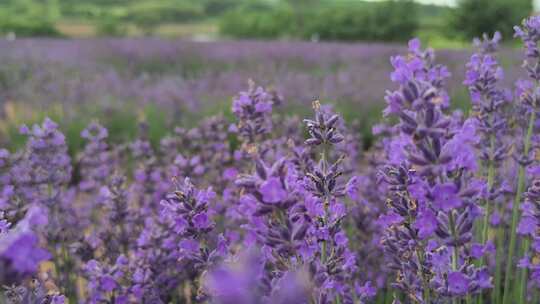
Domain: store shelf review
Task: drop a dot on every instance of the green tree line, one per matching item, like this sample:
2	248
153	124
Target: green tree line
339	20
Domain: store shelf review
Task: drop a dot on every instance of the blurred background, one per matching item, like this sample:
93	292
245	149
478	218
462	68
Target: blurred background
171	62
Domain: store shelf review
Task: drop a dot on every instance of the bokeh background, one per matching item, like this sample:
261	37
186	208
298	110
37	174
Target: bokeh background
171	62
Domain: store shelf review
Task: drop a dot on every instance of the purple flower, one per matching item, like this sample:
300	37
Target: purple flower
495	218
236	283
45	166
428	173
189	246
272	191
201	221
292	287
527	226
21	250
253	108
445	197
323	129
477	250
96	162
107	283
366	291
426	223
186	210
524	262
230	173
458	283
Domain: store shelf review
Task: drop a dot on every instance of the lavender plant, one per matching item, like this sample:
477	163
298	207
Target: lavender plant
527	92
490	105
433	196
96	162
269	210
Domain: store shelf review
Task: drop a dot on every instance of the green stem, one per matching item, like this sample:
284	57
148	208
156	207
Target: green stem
388	297
425	283
485	224
323	251
535	296
523	276
515	213
496	292
455	251
490	182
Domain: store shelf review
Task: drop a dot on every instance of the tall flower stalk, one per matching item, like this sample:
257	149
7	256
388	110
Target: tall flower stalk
324	182
323	133
528	228
41	176
432	193
529	33
489	104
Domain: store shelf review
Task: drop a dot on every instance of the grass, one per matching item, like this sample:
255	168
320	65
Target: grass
75	28
438	41
195	30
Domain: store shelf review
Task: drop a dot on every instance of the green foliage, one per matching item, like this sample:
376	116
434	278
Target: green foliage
472	18
257	22
23	27
326	21
375	22
157	123
111	27
29	18
214	8
148	15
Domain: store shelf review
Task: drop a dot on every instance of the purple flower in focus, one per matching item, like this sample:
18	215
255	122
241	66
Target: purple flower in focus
458	283
445	197
272	191
426	223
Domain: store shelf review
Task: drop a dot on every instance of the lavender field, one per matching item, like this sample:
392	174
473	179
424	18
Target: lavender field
259	186
182	81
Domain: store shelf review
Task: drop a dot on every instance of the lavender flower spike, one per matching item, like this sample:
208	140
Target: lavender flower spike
490	105
529	93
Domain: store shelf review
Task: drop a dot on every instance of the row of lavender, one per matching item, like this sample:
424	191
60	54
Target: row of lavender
183	75
444	208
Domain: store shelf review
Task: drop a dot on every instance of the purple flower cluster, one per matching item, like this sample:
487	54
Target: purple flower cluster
268	209
96	159
432	193
253	109
20	248
44	167
528	227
